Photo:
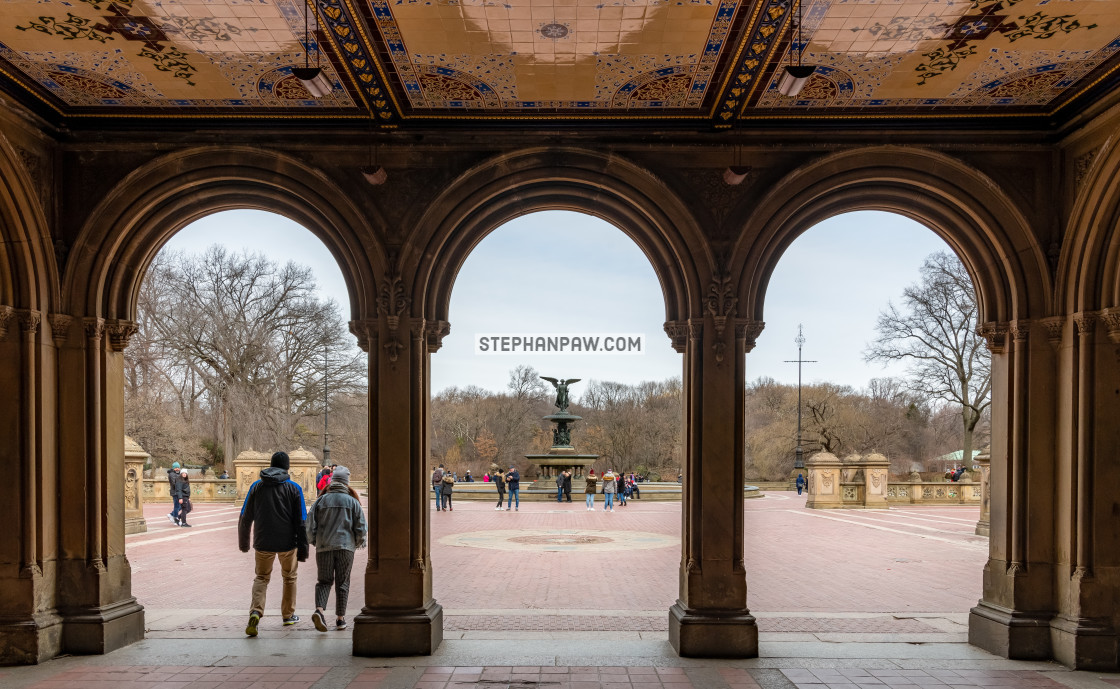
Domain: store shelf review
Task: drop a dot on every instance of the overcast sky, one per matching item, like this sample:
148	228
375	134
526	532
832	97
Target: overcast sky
555	272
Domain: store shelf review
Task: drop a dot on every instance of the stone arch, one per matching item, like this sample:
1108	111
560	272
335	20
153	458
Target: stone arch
1089	267
28	273
155	201
607	187
957	202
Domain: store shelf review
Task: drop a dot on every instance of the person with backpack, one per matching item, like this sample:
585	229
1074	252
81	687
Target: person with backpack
336	526
437	486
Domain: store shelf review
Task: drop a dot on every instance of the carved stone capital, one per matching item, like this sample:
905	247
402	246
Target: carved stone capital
60	327
1111	317
7	313
94	327
1086	322
995	333
392	301
29	321
721	302
364	331
1020	331
120	332
434	332
678	334
747	331
1054	326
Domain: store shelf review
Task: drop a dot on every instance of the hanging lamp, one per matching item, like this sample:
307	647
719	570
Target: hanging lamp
312	78
794	77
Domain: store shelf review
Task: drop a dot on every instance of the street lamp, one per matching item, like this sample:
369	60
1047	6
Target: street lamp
326	407
799	453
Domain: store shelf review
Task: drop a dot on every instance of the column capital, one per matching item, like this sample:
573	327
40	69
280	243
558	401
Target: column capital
60	327
364	331
1086	322
1020	330
434	332
120	332
747	331
1111	317
1054	326
995	333
7	313
680	332
29	321
94	327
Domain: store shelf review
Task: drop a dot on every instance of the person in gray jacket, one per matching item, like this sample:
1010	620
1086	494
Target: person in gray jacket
336	526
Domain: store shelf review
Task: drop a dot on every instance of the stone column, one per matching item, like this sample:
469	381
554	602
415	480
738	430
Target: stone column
135	457
984	462
399	617
247	467
710	618
824	481
876	470
95	590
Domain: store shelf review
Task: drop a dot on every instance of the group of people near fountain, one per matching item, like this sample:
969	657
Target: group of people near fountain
508	484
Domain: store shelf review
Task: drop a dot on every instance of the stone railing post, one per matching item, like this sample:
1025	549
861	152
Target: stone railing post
135	457
824	481
876	469
984	459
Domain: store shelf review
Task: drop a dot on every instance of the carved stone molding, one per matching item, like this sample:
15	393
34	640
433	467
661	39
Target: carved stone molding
120	332
60	327
995	333
1085	322
747	331
678	335
1020	331
1111	318
7	313
392	302
434	332
94	327
721	302
30	321
1082	165
1054	326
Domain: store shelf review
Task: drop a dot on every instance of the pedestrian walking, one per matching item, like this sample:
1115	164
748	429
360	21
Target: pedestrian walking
590	490
567	485
560	486
800	483
336	526
275	513
623	490
324	479
500	484
437	486
185	505
610	485
513	486
174	481
448	488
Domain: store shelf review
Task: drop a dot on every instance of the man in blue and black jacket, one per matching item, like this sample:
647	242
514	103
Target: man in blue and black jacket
275	512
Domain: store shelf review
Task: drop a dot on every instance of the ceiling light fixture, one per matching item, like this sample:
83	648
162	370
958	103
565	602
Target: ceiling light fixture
312	78
374	173
794	77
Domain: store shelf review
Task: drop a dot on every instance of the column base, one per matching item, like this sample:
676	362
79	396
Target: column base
32	641
103	629
708	634
387	633
983	527
1082	644
1010	634
135	525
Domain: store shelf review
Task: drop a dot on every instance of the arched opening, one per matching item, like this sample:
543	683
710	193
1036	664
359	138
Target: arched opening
540	277
885	542
241	349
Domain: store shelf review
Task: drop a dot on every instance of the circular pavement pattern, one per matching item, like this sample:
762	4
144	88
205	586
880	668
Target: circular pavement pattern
560	540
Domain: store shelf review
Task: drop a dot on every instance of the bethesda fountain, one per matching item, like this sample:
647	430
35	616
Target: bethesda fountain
562	455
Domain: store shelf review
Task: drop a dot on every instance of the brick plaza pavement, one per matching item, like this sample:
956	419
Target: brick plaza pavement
555	597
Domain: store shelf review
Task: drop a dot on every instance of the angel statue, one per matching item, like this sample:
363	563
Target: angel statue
561	391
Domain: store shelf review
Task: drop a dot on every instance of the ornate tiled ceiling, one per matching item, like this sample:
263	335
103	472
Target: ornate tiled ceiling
690	61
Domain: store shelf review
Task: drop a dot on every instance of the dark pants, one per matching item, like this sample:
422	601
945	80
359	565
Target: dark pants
334	568
799	489
501	498
447	500
567	492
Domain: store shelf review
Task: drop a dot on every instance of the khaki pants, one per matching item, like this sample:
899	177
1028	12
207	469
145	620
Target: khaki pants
263	570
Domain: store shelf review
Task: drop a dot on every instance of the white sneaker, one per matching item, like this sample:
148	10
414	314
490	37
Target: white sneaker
497	509
171	518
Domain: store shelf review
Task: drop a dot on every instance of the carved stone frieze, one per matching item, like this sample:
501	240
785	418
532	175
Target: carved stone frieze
995	333
7	313
94	327
30	321
1082	165
434	332
1054	326
120	332
717	196
1111	318
60	327
747	331
392	302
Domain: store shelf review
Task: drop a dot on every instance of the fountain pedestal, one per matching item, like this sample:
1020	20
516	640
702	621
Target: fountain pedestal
561	456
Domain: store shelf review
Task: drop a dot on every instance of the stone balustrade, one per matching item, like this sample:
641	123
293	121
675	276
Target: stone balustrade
211	490
861	483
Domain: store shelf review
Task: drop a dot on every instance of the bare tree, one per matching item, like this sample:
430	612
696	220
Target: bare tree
935	331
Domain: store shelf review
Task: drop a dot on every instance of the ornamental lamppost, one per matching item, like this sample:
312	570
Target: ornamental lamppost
799	453
326	407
